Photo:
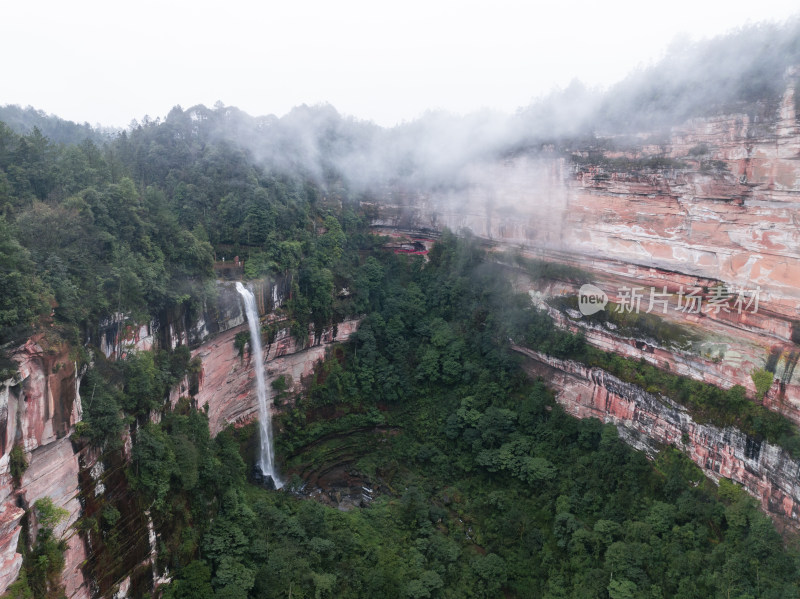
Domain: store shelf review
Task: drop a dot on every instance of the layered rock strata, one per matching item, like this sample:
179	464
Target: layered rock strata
38	410
648	422
227	378
40	406
712	204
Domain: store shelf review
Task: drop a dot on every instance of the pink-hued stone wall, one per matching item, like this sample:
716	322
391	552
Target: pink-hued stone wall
227	380
724	209
648	421
721	353
40	406
737	224
38	410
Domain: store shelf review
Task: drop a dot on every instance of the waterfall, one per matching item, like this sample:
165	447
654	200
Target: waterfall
265	459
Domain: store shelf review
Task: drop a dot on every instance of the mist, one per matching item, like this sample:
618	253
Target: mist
739	72
455	158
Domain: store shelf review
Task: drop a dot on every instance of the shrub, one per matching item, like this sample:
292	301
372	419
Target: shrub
17	464
242	338
763	381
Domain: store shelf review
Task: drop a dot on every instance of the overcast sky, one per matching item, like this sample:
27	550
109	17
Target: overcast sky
112	61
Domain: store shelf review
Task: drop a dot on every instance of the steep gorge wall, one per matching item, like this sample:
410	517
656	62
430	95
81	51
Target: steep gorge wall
723	207
120	332
38	410
648	421
227	379
715	353
40	407
714	201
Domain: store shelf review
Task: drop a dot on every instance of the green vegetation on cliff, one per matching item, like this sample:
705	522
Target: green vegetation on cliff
91	232
41	573
134	226
483	486
705	402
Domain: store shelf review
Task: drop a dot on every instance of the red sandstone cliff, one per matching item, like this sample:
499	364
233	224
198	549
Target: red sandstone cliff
647	421
714	202
729	213
227	380
719	352
38	410
40	407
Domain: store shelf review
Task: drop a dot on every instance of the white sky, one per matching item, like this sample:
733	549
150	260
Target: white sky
109	61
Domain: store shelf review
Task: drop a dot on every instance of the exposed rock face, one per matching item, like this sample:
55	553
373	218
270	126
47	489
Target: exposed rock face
719	353
41	405
10	529
717	201
120	562
730	213
224	313
120	333
663	223
724	205
38	410
227	380
53	472
647	421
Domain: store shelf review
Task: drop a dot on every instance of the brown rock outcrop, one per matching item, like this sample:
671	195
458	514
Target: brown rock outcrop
41	403
647	421
40	406
719	352
10	529
716	202
227	380
38	410
53	472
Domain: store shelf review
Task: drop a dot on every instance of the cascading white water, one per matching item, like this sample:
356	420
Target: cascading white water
265	460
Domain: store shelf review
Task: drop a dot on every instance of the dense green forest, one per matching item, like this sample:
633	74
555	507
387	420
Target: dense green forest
490	488
134	226
486	488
